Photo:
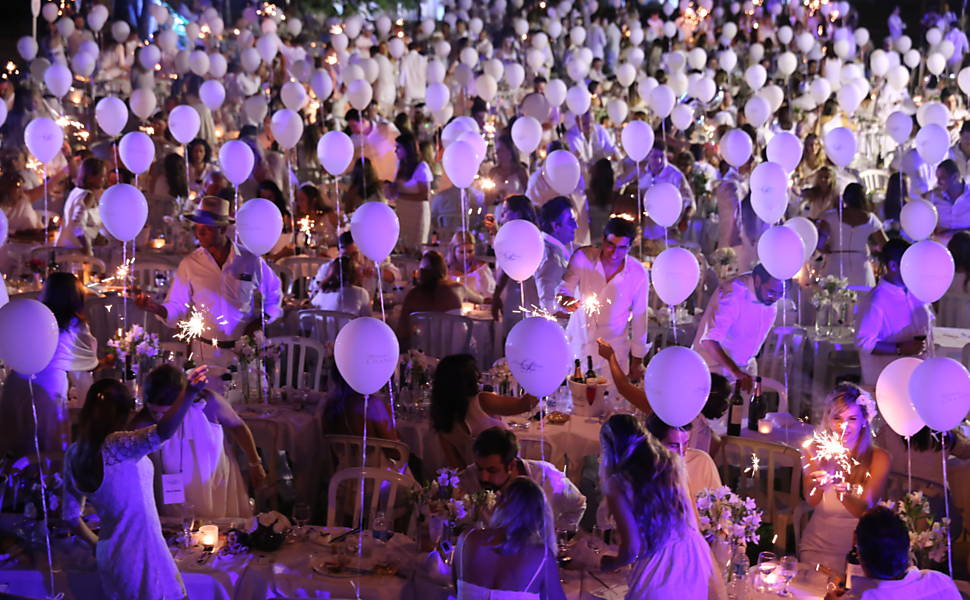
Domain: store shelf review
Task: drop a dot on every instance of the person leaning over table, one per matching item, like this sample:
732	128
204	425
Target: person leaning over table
883	543
234	290
497	463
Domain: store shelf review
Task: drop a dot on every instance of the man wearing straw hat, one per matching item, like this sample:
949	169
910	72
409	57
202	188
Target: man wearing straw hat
218	283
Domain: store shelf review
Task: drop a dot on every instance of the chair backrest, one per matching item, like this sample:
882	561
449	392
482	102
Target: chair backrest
300	364
381	454
300	270
781	360
78	262
536	449
106	315
322	325
898	486
152	277
953	311
875	180
777	480
388	484
441	334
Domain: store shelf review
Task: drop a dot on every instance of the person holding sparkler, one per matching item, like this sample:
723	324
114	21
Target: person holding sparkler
844	475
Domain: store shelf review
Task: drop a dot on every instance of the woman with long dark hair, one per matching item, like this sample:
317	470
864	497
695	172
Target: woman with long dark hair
411	191
109	465
341	290
200	164
364	187
433	293
76	351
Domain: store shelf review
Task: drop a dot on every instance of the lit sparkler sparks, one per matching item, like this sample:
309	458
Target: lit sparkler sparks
306	225
536	311
755	465
828	448
486	184
123	271
192	327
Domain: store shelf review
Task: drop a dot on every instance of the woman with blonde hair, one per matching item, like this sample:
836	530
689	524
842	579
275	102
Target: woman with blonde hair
845	475
514	558
476	277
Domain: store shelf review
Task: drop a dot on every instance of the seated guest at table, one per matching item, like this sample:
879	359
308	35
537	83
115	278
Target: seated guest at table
341	290
368	273
21	217
847	235
479	285
702	437
701	471
433	293
77	350
460	410
557	219
81	220
211	479
228	285
954	307
647	497
841	497
343	413
108	465
514	557
892	322
497	464
736	323
951	199
883	542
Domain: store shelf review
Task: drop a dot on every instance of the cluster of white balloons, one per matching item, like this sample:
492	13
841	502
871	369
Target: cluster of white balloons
913	393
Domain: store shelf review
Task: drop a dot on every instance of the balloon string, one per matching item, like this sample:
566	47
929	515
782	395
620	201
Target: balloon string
114	147
125	267
43	482
390	387
946	508
464	229
188	178
639	215
336	195
841	249
376	490
289	185
909	465
46	213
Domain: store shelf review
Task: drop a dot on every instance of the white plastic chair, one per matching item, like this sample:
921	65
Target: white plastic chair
953	311
390	486
300	363
875	180
152	277
322	325
381	454
71	261
537	449
301	270
441	334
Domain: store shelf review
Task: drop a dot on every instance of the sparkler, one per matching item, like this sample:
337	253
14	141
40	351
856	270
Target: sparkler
536	311
123	271
306	225
755	465
192	327
829	448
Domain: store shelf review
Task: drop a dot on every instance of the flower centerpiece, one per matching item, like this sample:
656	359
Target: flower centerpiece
135	350
927	536
833	301
728	522
441	504
256	349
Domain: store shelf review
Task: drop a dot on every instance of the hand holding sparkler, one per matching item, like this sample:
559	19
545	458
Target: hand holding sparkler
145	302
568	303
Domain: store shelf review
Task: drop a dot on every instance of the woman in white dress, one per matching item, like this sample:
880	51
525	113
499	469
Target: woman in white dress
81	222
108	465
514	557
341	290
479	284
840	495
76	351
847	240
646	492
411	191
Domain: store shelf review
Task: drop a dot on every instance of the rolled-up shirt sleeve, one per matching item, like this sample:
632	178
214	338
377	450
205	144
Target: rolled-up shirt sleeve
570	279
726	313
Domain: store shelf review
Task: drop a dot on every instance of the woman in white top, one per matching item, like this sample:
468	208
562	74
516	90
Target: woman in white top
846	238
840	495
76	351
15	204
514	557
954	307
411	190
200	165
479	283
81	222
341	290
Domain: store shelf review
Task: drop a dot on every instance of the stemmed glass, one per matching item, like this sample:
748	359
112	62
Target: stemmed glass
787	569
188	523
767	562
301	516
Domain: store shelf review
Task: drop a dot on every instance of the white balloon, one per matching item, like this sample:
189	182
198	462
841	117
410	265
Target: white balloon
785	149
912	58
255	108
940	391
893	399
250	60
785	34
526	134
97	17
184	123
617	110
28	336
267	46
236	160
436	71
27	48
294	26
3	119
538	355
397	47
662	100
963	79
168	41
335	150
494	68
287	127
321	84
681	116
932	143
934	36
111	115
58	79
919	218
123	211
820	89
44	139
375	228
849	98
840	146
898	77
486	87
149	56
578	99
727	59
120	31
927	269
637	138
199	62
704	89
675	274
755	76
562	171
769	191
212	94
366	352
787	63
757	111
461	162
626	74
663	203
137	151
359	93
933	112
83	64
807	232
293	95
736	147
519	249
469	57
781	251
677	381
556	92
259	224
899	125
879	62
514	75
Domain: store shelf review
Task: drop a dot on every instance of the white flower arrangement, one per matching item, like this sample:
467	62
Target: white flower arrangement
833	290
135	346
727	516
927	536
442	498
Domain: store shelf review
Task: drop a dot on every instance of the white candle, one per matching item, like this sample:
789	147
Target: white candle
764	426
209	535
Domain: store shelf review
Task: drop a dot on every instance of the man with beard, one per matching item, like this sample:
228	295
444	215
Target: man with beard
497	463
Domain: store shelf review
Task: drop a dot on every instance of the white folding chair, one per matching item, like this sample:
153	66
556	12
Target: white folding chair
152	277
72	261
441	334
300	364
381	454
322	325
389	486
875	180
775	485
536	449
301	270
953	312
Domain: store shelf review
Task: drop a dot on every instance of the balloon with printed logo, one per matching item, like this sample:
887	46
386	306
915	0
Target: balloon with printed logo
44	139
538	355
940	390
893	399
769	191
840	146
519	249
899	126
366	351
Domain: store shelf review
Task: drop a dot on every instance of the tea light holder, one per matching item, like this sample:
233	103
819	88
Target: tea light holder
209	535
157	243
764	426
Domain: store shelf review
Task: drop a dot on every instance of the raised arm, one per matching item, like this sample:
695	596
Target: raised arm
634	395
174	415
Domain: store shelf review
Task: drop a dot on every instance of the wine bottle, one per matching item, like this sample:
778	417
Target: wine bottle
734	411
590	372
578	372
853	568
757	410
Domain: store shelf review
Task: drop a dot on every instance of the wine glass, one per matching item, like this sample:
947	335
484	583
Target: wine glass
188	522
767	561
301	516
787	569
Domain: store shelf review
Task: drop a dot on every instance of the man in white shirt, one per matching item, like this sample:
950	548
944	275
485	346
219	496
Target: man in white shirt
960	152
882	541
951	199
558	221
413	77
233	290
606	292
892	321
497	463
736	323
588	141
